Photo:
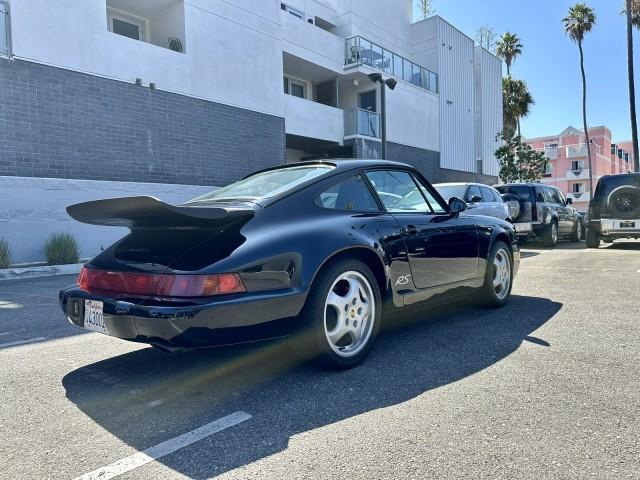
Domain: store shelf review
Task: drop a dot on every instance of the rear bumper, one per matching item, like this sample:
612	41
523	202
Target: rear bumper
245	318
616	228
529	229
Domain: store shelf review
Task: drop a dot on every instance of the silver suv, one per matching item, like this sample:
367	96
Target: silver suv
481	199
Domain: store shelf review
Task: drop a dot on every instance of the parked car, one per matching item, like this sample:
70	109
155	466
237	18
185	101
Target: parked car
480	199
543	212
317	249
614	210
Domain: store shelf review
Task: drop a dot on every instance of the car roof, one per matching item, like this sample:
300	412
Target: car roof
625	175
345	163
527	184
461	184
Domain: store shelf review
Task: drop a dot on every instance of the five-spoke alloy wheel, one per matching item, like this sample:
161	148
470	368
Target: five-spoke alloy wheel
499	276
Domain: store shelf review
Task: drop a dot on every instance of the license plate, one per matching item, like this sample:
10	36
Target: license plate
627	224
522	227
93	316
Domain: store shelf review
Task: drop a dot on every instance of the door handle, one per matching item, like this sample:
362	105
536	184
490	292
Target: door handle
410	230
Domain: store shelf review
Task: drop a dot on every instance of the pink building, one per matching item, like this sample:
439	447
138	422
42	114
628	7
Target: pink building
568	167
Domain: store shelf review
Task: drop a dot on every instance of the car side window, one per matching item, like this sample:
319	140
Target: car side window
487	195
433	203
540	196
472	192
349	195
496	195
552	195
398	191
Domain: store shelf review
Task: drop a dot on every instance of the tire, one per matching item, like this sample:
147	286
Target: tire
593	240
344	303
515	205
578	233
498	279
624	201
550	238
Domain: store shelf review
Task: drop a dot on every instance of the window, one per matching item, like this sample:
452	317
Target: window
5	39
548	168
521	191
350	195
449	191
577	165
487	195
540	196
471	193
398	192
367	100
266	184
433	203
297	88
127	25
577	188
552	195
614	149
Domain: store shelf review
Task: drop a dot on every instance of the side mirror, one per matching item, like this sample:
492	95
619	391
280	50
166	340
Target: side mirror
569	201
456	205
476	199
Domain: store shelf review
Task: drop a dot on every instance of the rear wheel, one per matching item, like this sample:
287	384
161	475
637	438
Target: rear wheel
550	238
498	279
593	240
342	315
577	233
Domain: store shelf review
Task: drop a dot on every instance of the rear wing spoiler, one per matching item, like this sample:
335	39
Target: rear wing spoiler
149	212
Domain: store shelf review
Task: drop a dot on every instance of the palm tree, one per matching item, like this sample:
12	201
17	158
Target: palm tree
577	24
632	11
517	102
508	48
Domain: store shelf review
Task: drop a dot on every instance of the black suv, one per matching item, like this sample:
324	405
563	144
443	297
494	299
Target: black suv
614	210
541	211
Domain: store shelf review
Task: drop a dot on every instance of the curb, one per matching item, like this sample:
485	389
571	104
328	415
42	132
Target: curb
39	272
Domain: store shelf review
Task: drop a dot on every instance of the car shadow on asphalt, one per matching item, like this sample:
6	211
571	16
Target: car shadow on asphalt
145	397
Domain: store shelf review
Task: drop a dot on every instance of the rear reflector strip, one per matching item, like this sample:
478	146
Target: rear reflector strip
159	284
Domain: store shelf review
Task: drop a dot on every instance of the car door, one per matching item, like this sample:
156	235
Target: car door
491	207
558	203
442	248
474	201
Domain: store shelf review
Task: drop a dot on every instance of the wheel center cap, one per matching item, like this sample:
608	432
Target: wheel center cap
353	313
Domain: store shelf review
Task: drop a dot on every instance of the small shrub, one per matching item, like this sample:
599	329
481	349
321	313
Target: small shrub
5	253
175	44
61	249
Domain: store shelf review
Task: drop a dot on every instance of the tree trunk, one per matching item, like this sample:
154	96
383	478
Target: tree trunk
584	118
519	132
632	88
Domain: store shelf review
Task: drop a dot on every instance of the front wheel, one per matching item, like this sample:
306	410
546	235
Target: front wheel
498	279
551	235
342	315
577	234
593	240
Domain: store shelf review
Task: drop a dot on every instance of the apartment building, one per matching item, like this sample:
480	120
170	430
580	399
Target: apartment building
186	93
568	166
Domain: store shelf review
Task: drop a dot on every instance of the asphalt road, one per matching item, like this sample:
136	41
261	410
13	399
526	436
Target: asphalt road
546	387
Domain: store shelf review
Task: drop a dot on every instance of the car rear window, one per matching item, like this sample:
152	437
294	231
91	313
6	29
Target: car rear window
349	195
521	191
266	184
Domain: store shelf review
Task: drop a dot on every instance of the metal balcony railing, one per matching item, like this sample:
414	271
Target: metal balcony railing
361	122
360	51
5	39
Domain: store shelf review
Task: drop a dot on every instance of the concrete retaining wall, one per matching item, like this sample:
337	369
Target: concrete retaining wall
33	208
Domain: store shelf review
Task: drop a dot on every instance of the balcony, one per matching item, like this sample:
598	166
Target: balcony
4	28
580	174
579	197
359	122
305	118
360	51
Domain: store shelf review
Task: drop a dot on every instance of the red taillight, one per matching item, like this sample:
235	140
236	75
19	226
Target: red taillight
160	285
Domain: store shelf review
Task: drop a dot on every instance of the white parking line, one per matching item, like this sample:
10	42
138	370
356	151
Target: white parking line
22	342
165	448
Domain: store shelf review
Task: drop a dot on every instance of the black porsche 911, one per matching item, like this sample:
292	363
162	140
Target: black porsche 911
321	249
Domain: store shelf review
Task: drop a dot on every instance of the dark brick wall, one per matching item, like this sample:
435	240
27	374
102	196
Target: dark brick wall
61	124
428	163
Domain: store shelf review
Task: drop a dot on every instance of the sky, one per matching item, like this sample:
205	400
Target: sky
550	62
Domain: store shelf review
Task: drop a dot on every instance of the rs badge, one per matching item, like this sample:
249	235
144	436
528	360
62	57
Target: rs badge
403	279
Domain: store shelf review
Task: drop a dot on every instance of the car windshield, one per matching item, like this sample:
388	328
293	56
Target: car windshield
266	184
449	191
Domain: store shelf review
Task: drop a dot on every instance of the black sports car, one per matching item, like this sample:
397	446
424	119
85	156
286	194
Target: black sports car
321	249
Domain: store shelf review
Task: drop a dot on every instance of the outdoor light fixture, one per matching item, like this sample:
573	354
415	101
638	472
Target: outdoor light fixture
391	83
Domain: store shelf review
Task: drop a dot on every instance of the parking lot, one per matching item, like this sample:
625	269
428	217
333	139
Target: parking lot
546	387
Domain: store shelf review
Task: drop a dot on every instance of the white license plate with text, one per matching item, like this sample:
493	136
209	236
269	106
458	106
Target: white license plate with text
93	316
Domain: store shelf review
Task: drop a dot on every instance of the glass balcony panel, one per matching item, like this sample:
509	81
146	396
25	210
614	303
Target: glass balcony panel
353	50
362	122
387	62
433	82
397	66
